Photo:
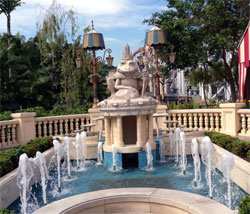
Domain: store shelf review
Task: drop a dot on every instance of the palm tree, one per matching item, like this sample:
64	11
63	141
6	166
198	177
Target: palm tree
6	7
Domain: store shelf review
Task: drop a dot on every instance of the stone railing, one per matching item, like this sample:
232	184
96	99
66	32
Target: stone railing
230	119
60	125
195	119
8	134
245	122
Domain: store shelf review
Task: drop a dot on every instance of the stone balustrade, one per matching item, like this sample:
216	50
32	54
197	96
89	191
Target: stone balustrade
245	122
230	119
195	119
8	134
60	125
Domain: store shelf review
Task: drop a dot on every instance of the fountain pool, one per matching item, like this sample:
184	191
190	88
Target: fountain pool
164	175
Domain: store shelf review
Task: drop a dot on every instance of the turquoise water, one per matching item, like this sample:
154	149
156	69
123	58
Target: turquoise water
165	175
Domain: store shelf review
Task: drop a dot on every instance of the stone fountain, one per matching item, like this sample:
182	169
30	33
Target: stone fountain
128	114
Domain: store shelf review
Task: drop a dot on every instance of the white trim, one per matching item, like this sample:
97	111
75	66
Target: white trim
244	34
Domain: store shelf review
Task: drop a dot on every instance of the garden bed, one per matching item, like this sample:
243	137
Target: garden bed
232	144
9	159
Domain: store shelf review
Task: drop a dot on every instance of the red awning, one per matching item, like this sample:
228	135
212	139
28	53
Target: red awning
244	54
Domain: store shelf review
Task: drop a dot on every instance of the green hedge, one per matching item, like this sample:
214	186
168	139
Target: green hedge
244	207
190	105
6	211
9	159
235	145
41	112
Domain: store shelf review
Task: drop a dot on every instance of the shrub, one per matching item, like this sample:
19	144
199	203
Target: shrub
248	154
244	207
232	144
41	112
5	115
6	211
189	105
9	159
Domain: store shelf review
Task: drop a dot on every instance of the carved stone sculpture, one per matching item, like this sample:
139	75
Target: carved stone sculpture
128	82
128	85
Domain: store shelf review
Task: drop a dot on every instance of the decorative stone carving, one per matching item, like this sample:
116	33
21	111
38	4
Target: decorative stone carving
128	112
128	85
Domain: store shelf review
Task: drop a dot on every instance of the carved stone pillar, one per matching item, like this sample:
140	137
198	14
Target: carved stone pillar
119	132
107	132
139	130
150	129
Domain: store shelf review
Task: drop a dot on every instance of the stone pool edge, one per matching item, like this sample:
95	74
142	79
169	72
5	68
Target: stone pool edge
135	200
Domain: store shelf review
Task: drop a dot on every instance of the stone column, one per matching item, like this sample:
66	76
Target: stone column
150	129
120	142
161	109
139	130
230	119
107	132
26	129
95	112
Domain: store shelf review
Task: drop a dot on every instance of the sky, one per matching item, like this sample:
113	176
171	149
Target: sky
120	21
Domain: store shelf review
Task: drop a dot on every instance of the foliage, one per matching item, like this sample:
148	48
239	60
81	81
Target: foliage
9	159
57	35
189	105
6	211
30	85
206	33
244	207
5	115
43	68
41	112
7	7
236	146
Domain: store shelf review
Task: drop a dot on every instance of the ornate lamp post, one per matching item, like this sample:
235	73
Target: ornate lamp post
94	41
154	38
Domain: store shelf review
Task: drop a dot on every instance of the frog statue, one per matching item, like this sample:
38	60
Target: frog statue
128	82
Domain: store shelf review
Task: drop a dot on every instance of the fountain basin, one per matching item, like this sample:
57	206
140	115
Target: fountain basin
9	191
136	200
164	175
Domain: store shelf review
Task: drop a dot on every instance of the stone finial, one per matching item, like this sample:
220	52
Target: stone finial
127	55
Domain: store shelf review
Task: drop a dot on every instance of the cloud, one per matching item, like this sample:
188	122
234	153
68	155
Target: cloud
97	7
120	21
87	7
107	14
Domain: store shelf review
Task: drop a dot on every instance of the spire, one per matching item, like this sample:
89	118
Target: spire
127	55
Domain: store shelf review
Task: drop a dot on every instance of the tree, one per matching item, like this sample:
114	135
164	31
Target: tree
206	31
30	85
6	7
58	44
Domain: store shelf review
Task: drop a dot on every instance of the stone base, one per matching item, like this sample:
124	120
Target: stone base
108	160
94	113
157	142
91	147
142	159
